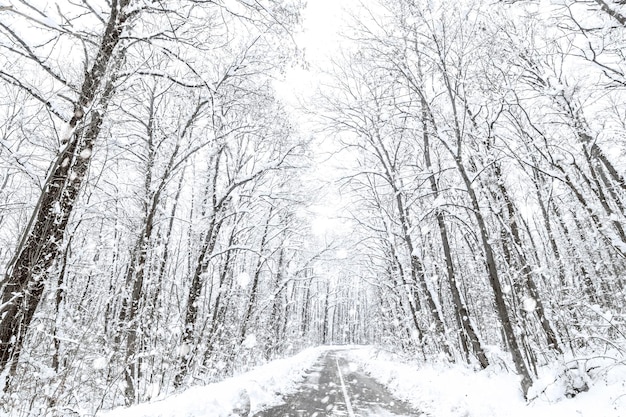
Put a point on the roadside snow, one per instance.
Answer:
(249, 391)
(438, 390)
(458, 391)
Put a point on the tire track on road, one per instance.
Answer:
(334, 389)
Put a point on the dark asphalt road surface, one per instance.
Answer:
(335, 388)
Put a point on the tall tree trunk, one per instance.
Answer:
(219, 308)
(397, 272)
(538, 182)
(255, 281)
(23, 284)
(138, 263)
(503, 314)
(195, 290)
(459, 305)
(304, 317)
(417, 273)
(526, 270)
(492, 270)
(326, 322)
(277, 310)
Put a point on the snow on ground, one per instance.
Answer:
(459, 391)
(439, 390)
(254, 389)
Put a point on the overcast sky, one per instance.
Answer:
(322, 20)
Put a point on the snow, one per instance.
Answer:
(183, 350)
(249, 342)
(529, 304)
(243, 279)
(100, 363)
(444, 390)
(85, 153)
(441, 390)
(255, 389)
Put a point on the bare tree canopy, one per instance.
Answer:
(453, 189)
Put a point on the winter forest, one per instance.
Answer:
(452, 188)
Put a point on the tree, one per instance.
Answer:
(141, 103)
(41, 241)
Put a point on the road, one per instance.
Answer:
(333, 387)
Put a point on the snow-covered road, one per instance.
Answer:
(335, 387)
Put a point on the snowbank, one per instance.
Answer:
(438, 390)
(250, 391)
(458, 391)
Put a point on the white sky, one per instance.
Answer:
(322, 20)
(319, 39)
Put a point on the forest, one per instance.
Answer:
(159, 196)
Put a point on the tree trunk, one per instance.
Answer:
(526, 270)
(461, 309)
(40, 245)
(195, 290)
(417, 273)
(492, 270)
(255, 282)
(503, 314)
(218, 307)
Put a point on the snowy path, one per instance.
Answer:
(334, 387)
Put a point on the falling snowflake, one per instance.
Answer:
(243, 279)
(85, 153)
(249, 342)
(100, 363)
(529, 304)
